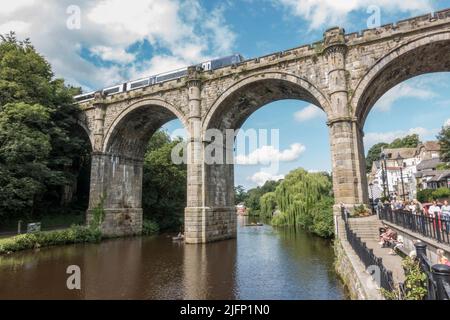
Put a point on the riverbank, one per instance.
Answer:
(72, 235)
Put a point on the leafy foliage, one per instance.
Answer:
(374, 154)
(428, 195)
(37, 117)
(415, 283)
(149, 227)
(74, 234)
(444, 141)
(239, 194)
(268, 204)
(410, 141)
(164, 183)
(305, 199)
(252, 201)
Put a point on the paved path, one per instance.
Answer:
(367, 230)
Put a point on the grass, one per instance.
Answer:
(48, 222)
(74, 234)
(149, 227)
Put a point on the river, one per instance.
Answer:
(262, 263)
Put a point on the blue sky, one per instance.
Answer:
(118, 41)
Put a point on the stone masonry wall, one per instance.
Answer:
(343, 74)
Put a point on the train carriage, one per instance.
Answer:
(163, 77)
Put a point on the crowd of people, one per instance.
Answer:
(437, 210)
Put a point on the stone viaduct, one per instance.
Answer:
(344, 75)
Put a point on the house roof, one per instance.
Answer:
(405, 153)
(428, 164)
(440, 175)
(430, 146)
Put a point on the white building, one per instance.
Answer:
(401, 164)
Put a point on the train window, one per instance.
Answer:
(111, 91)
(84, 97)
(171, 76)
(139, 84)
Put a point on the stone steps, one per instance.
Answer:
(366, 228)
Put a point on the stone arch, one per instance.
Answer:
(247, 95)
(234, 106)
(117, 171)
(425, 54)
(132, 128)
(83, 125)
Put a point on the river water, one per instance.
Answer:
(262, 263)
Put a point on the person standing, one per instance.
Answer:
(434, 210)
(446, 215)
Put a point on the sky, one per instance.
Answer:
(95, 44)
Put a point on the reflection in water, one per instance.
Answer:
(263, 263)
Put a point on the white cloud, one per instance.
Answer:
(179, 32)
(113, 54)
(9, 7)
(261, 177)
(270, 154)
(447, 123)
(372, 138)
(16, 25)
(308, 113)
(331, 12)
(414, 89)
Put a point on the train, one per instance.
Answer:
(163, 77)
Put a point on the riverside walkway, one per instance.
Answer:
(367, 229)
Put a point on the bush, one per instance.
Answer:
(441, 193)
(415, 283)
(149, 227)
(429, 195)
(425, 195)
(75, 234)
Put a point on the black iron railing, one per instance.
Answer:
(437, 228)
(366, 255)
(438, 275)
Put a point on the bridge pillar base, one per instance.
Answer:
(205, 224)
(119, 222)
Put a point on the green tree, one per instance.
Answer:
(410, 141)
(444, 141)
(26, 82)
(24, 151)
(305, 199)
(374, 154)
(164, 183)
(268, 204)
(254, 195)
(239, 194)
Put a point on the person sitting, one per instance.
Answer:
(388, 237)
(442, 259)
(398, 244)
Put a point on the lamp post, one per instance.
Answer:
(384, 174)
(371, 197)
(400, 160)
